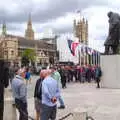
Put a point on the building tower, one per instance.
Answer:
(29, 33)
(4, 28)
(81, 30)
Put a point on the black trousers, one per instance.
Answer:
(98, 82)
(22, 108)
(1, 109)
(63, 82)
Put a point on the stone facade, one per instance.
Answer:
(81, 30)
(8, 48)
(12, 47)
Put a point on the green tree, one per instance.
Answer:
(28, 55)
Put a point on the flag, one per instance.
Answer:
(69, 45)
(93, 52)
(90, 51)
(72, 46)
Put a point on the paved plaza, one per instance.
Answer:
(101, 104)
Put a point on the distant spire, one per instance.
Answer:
(74, 22)
(78, 15)
(29, 33)
(86, 21)
(29, 19)
(4, 28)
(83, 20)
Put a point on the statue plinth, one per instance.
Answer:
(9, 109)
(110, 65)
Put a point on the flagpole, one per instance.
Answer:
(96, 58)
(87, 56)
(87, 59)
(91, 59)
(80, 57)
(79, 53)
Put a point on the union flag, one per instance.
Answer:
(72, 46)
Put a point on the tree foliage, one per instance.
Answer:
(28, 55)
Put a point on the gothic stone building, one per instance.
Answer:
(11, 46)
(81, 30)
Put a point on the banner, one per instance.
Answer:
(72, 46)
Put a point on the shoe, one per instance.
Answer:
(61, 107)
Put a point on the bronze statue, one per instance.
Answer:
(112, 41)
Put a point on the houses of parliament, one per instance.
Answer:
(11, 46)
(80, 29)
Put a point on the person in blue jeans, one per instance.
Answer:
(28, 76)
(56, 75)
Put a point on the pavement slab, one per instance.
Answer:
(101, 104)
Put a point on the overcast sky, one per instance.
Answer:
(58, 15)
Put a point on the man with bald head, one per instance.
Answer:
(38, 94)
(50, 94)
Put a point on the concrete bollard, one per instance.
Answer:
(9, 110)
(79, 114)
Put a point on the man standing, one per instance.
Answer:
(20, 93)
(50, 94)
(63, 76)
(38, 95)
(98, 74)
(56, 75)
(4, 82)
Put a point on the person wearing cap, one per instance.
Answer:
(20, 93)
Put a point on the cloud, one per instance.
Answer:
(59, 15)
(41, 11)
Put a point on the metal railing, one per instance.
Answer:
(71, 114)
(62, 118)
(66, 116)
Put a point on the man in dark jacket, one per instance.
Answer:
(63, 76)
(4, 82)
(88, 74)
(38, 94)
(98, 74)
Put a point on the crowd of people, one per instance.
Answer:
(48, 87)
(80, 74)
(47, 93)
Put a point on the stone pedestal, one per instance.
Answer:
(110, 65)
(9, 110)
(80, 114)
